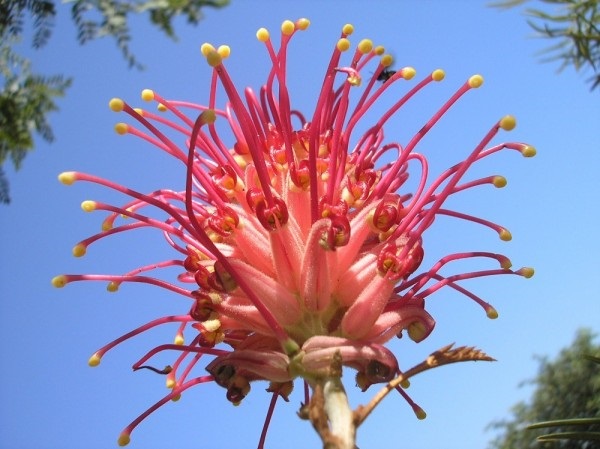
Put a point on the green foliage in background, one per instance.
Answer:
(26, 98)
(574, 26)
(564, 410)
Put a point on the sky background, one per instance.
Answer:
(52, 399)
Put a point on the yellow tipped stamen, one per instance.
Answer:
(405, 383)
(526, 272)
(416, 331)
(208, 116)
(287, 27)
(302, 24)
(121, 128)
(171, 383)
(176, 398)
(408, 73)
(124, 439)
(387, 60)
(348, 29)
(161, 108)
(224, 51)
(59, 281)
(116, 104)
(262, 34)
(506, 263)
(379, 50)
(505, 235)
(179, 340)
(491, 313)
(508, 123)
(475, 81)
(88, 206)
(79, 250)
(206, 48)
(94, 360)
(343, 44)
(420, 413)
(214, 59)
(499, 181)
(438, 75)
(147, 95)
(67, 177)
(112, 287)
(528, 151)
(365, 46)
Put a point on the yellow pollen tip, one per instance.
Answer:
(176, 398)
(438, 75)
(124, 439)
(387, 60)
(508, 123)
(475, 81)
(160, 107)
(121, 128)
(348, 29)
(506, 263)
(505, 235)
(208, 116)
(88, 206)
(379, 50)
(408, 73)
(179, 340)
(416, 331)
(262, 34)
(94, 360)
(171, 383)
(147, 95)
(213, 58)
(59, 281)
(526, 272)
(206, 48)
(302, 24)
(365, 46)
(67, 177)
(528, 151)
(224, 51)
(79, 250)
(491, 313)
(287, 27)
(343, 44)
(499, 181)
(405, 383)
(112, 287)
(116, 104)
(420, 414)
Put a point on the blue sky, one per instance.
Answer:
(52, 399)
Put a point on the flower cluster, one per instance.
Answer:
(297, 241)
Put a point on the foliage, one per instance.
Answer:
(576, 28)
(26, 98)
(566, 401)
(99, 18)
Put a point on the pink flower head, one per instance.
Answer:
(294, 235)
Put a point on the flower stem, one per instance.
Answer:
(339, 413)
(329, 410)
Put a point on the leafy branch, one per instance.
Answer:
(574, 26)
(26, 98)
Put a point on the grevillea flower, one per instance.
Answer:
(296, 240)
